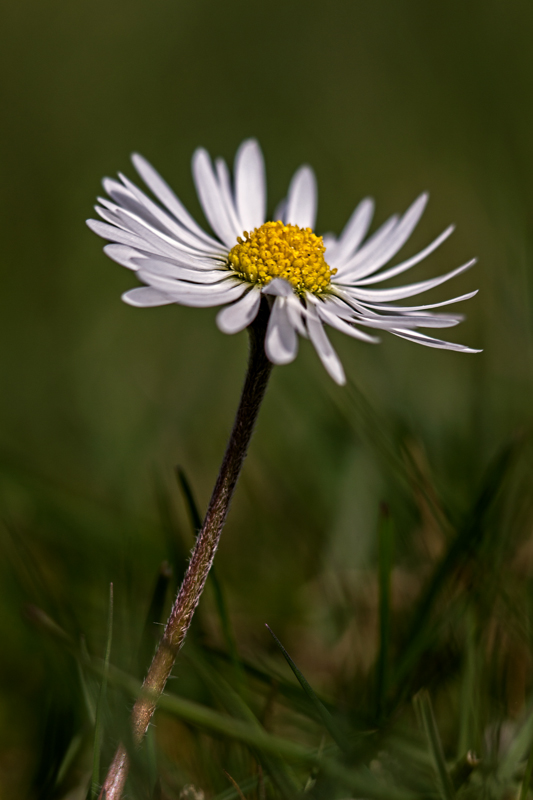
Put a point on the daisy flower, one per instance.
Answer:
(310, 280)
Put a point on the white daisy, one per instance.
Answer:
(310, 280)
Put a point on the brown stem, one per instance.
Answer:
(259, 368)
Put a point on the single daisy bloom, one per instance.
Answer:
(309, 280)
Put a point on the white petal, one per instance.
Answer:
(387, 295)
(408, 309)
(166, 283)
(117, 192)
(405, 265)
(398, 237)
(387, 322)
(238, 316)
(123, 198)
(165, 269)
(188, 294)
(420, 338)
(167, 222)
(353, 234)
(281, 341)
(123, 255)
(200, 300)
(296, 313)
(343, 306)
(145, 296)
(325, 351)
(279, 287)
(190, 262)
(185, 260)
(363, 315)
(372, 246)
(211, 198)
(394, 242)
(120, 236)
(152, 236)
(302, 199)
(337, 322)
(224, 181)
(250, 185)
(164, 193)
(432, 320)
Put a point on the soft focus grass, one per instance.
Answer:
(100, 402)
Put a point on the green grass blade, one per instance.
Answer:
(425, 710)
(360, 781)
(289, 693)
(90, 705)
(99, 723)
(323, 713)
(70, 756)
(190, 501)
(237, 707)
(386, 557)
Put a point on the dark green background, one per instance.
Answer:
(99, 401)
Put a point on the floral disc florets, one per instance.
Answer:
(276, 250)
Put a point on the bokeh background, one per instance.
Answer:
(100, 402)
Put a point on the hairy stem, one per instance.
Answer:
(259, 368)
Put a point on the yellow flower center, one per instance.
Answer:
(276, 250)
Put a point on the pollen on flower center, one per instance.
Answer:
(276, 250)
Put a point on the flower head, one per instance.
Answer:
(310, 280)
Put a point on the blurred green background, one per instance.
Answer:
(101, 401)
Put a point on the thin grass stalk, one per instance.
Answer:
(258, 373)
(321, 710)
(425, 710)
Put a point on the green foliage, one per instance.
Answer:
(447, 625)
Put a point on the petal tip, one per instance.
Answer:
(200, 154)
(250, 142)
(126, 298)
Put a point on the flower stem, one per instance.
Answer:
(258, 373)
